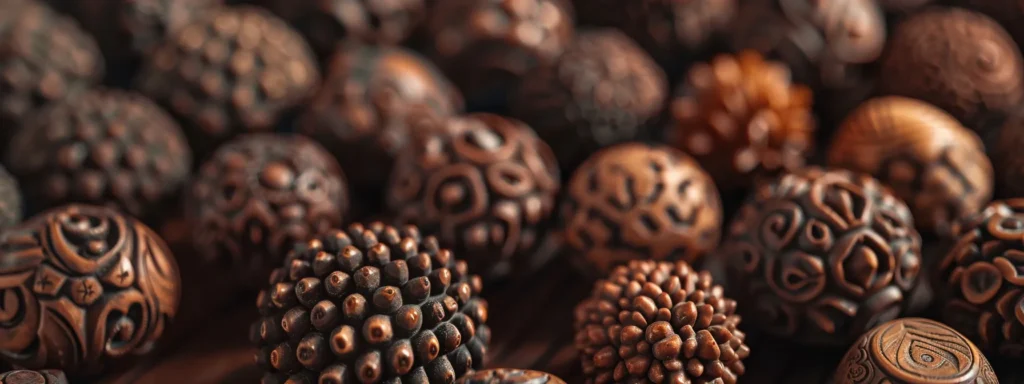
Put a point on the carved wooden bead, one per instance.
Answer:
(826, 255)
(10, 199)
(84, 286)
(509, 376)
(413, 338)
(603, 90)
(33, 377)
(742, 119)
(659, 321)
(914, 351)
(982, 78)
(108, 147)
(634, 201)
(931, 162)
(485, 184)
(257, 195)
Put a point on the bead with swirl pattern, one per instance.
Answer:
(47, 376)
(509, 376)
(823, 256)
(83, 286)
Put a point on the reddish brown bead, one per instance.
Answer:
(826, 255)
(84, 286)
(107, 148)
(434, 337)
(509, 376)
(10, 199)
(33, 377)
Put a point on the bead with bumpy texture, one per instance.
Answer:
(914, 351)
(108, 147)
(10, 199)
(33, 377)
(235, 70)
(372, 303)
(934, 164)
(603, 90)
(486, 185)
(982, 78)
(259, 194)
(635, 201)
(83, 286)
(509, 376)
(659, 322)
(823, 256)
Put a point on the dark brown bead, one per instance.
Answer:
(234, 70)
(1007, 158)
(487, 46)
(742, 119)
(826, 255)
(509, 376)
(603, 90)
(908, 5)
(10, 200)
(485, 185)
(982, 79)
(380, 343)
(635, 201)
(365, 112)
(914, 351)
(678, 318)
(83, 286)
(33, 377)
(670, 29)
(259, 194)
(108, 147)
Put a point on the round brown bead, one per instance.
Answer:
(107, 148)
(10, 199)
(671, 29)
(48, 376)
(235, 70)
(659, 321)
(1009, 13)
(486, 185)
(259, 194)
(826, 255)
(84, 286)
(635, 201)
(914, 351)
(603, 90)
(931, 162)
(365, 111)
(980, 79)
(425, 322)
(742, 119)
(487, 46)
(509, 376)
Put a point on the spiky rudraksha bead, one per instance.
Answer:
(603, 90)
(743, 119)
(10, 199)
(372, 303)
(33, 377)
(659, 322)
(509, 376)
(235, 70)
(107, 148)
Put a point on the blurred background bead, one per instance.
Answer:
(256, 196)
(958, 60)
(603, 90)
(672, 30)
(84, 286)
(10, 200)
(742, 119)
(914, 351)
(906, 5)
(33, 377)
(364, 110)
(1009, 13)
(1007, 158)
(635, 201)
(235, 70)
(931, 162)
(108, 147)
(487, 46)
(823, 256)
(485, 184)
(509, 376)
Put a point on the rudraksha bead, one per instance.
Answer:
(108, 147)
(659, 322)
(33, 377)
(259, 194)
(485, 184)
(603, 90)
(372, 303)
(10, 200)
(487, 46)
(83, 286)
(981, 79)
(509, 376)
(823, 256)
(934, 164)
(914, 351)
(742, 119)
(362, 112)
(670, 29)
(236, 70)
(980, 280)
(635, 201)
